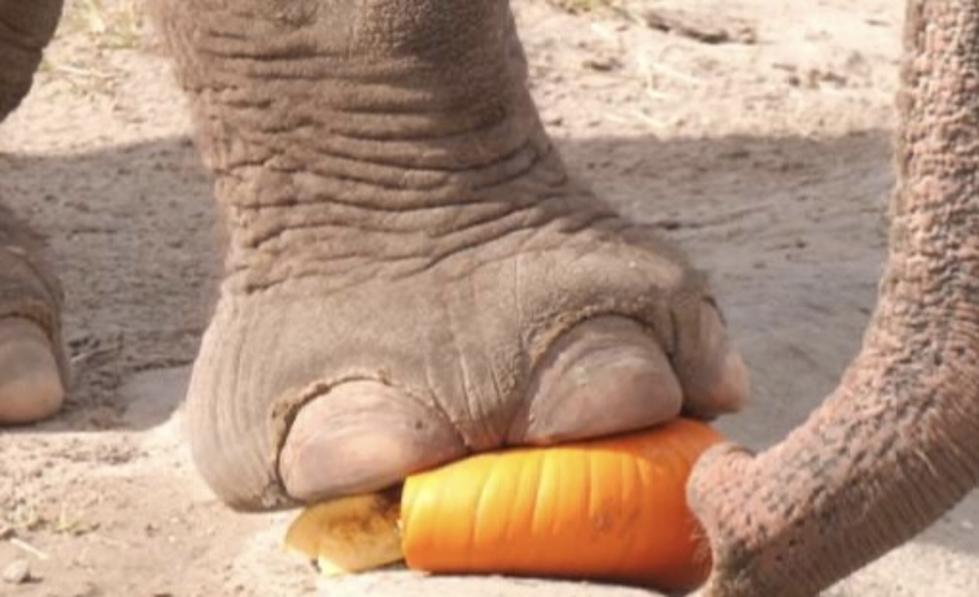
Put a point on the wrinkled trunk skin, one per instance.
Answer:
(897, 444)
(25, 28)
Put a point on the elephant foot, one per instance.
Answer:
(413, 275)
(30, 381)
(344, 377)
(32, 364)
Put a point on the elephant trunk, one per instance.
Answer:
(895, 445)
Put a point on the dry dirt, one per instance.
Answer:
(756, 133)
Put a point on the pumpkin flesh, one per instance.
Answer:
(612, 508)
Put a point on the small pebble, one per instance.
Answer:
(17, 572)
(7, 533)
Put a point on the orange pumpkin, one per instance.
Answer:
(611, 508)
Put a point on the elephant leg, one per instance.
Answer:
(413, 274)
(33, 371)
(25, 29)
(32, 364)
(897, 444)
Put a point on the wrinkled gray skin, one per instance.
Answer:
(413, 276)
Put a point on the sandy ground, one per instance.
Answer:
(766, 156)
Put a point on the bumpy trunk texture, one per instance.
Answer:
(895, 445)
(25, 28)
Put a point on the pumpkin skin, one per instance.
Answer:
(612, 508)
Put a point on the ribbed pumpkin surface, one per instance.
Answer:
(613, 508)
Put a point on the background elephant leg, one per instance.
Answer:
(33, 371)
(25, 28)
(32, 365)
